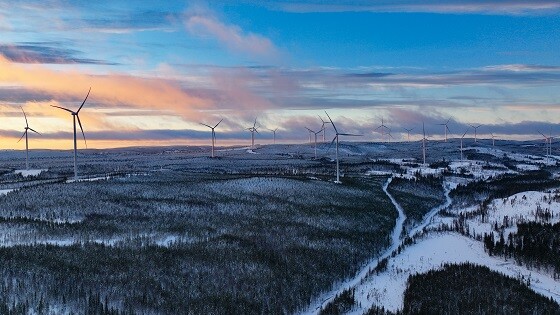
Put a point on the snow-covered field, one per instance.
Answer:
(431, 252)
(26, 173)
(434, 249)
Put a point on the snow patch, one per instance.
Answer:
(26, 173)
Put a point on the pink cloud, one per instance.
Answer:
(230, 35)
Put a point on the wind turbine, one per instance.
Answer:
(493, 139)
(475, 128)
(463, 136)
(323, 126)
(27, 128)
(274, 134)
(336, 138)
(213, 134)
(408, 133)
(383, 127)
(76, 116)
(315, 133)
(445, 128)
(424, 144)
(548, 142)
(253, 130)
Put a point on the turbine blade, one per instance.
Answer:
(82, 129)
(218, 123)
(22, 136)
(465, 133)
(206, 125)
(255, 123)
(34, 131)
(542, 134)
(83, 101)
(25, 116)
(331, 122)
(309, 129)
(330, 145)
(66, 109)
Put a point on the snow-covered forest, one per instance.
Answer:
(170, 231)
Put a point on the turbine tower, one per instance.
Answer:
(408, 133)
(423, 144)
(445, 128)
(475, 128)
(274, 134)
(337, 134)
(213, 134)
(493, 139)
(463, 136)
(253, 130)
(383, 128)
(315, 133)
(27, 128)
(75, 115)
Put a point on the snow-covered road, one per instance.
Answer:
(396, 240)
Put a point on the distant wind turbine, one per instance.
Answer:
(424, 139)
(408, 133)
(75, 116)
(493, 139)
(463, 136)
(336, 138)
(213, 134)
(253, 130)
(548, 143)
(323, 123)
(475, 128)
(274, 134)
(315, 133)
(383, 128)
(445, 128)
(27, 128)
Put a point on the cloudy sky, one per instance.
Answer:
(158, 69)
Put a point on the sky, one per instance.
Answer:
(158, 69)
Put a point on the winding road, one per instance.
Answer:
(327, 297)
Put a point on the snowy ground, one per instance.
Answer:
(435, 249)
(26, 173)
(3, 192)
(387, 288)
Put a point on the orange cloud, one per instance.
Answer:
(111, 89)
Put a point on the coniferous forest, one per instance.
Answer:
(472, 289)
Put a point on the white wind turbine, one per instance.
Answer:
(27, 128)
(315, 133)
(463, 136)
(75, 116)
(337, 134)
(213, 134)
(475, 128)
(408, 133)
(548, 143)
(383, 128)
(274, 134)
(445, 128)
(323, 123)
(253, 130)
(493, 139)
(424, 139)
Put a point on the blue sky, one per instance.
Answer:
(162, 68)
